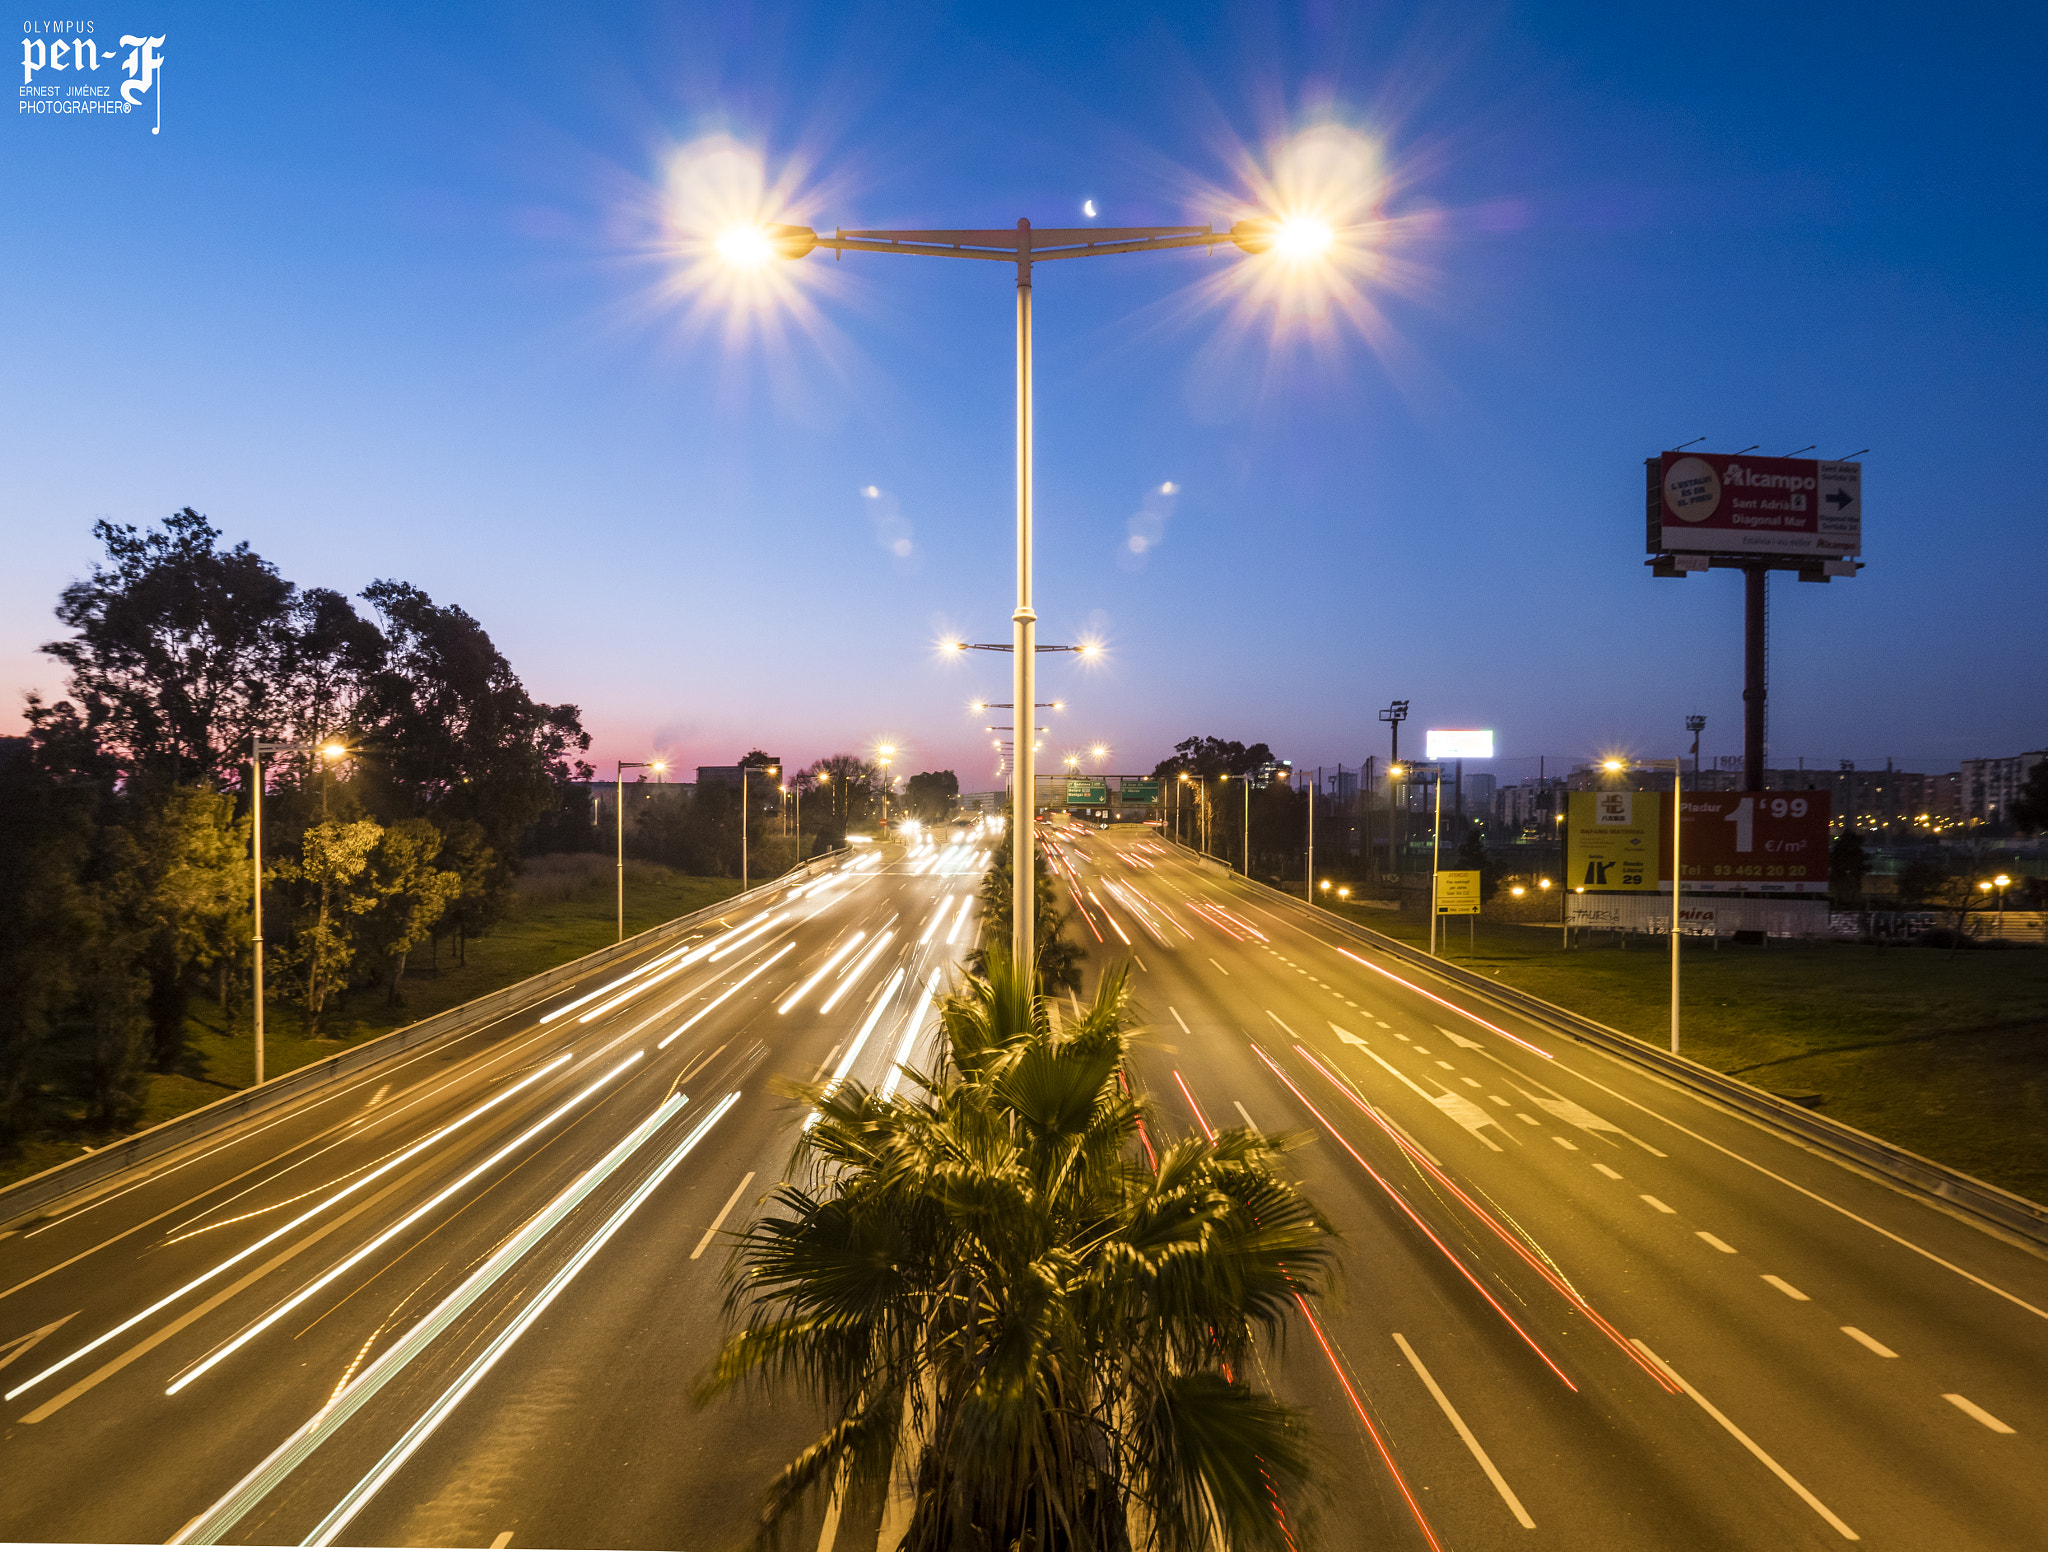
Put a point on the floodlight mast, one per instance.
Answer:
(1024, 246)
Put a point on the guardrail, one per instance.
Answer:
(77, 1180)
(1973, 1198)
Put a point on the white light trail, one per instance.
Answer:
(278, 1233)
(755, 933)
(910, 1033)
(662, 1045)
(859, 969)
(250, 1333)
(932, 926)
(859, 1040)
(960, 921)
(217, 1521)
(804, 990)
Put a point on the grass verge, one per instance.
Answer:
(1947, 1057)
(562, 914)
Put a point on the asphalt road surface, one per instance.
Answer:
(1581, 1308)
(461, 1303)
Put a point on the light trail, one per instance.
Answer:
(662, 1045)
(421, 1431)
(278, 1233)
(1432, 996)
(910, 1033)
(932, 926)
(966, 903)
(1414, 1217)
(1536, 1264)
(859, 1040)
(823, 970)
(754, 933)
(250, 1333)
(858, 969)
(217, 1521)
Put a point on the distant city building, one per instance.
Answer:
(1988, 787)
(729, 775)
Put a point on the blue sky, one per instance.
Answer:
(394, 293)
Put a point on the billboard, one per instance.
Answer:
(1614, 841)
(1733, 843)
(1736, 504)
(1754, 842)
(1459, 744)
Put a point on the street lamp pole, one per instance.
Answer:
(745, 769)
(1677, 764)
(1025, 247)
(619, 769)
(257, 750)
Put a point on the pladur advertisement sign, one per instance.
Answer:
(1737, 504)
(1773, 843)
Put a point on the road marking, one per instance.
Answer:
(718, 1222)
(1748, 1443)
(827, 1062)
(1786, 1288)
(1213, 962)
(1470, 1082)
(857, 969)
(1485, 1461)
(1869, 1341)
(1528, 1118)
(1456, 1106)
(1291, 1035)
(1610, 1174)
(1652, 1200)
(1566, 1143)
(1498, 1100)
(22, 1344)
(1965, 1404)
(503, 1539)
(1248, 1121)
(1718, 1243)
(1179, 1020)
(758, 970)
(1384, 1024)
(1447, 1067)
(1140, 963)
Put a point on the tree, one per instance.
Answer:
(1847, 863)
(1921, 881)
(46, 838)
(403, 896)
(180, 648)
(987, 1281)
(1210, 758)
(110, 1022)
(1059, 956)
(848, 788)
(2029, 811)
(448, 733)
(192, 867)
(333, 856)
(932, 795)
(1472, 857)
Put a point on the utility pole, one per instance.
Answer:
(1394, 715)
(1695, 725)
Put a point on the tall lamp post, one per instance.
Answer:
(1676, 765)
(1246, 781)
(745, 770)
(1298, 237)
(258, 748)
(1435, 773)
(620, 767)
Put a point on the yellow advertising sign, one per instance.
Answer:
(1457, 894)
(1614, 839)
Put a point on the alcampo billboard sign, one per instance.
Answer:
(1737, 504)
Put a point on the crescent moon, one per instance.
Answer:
(1088, 208)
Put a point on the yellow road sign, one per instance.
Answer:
(1457, 894)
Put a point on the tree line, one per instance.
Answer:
(125, 813)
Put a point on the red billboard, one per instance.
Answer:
(1752, 842)
(1736, 504)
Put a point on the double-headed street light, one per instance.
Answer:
(620, 767)
(329, 750)
(1296, 237)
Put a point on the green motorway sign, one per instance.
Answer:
(1135, 792)
(1087, 789)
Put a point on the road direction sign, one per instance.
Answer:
(1457, 894)
(1136, 792)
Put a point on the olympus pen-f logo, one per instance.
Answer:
(60, 71)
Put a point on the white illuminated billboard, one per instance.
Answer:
(1460, 743)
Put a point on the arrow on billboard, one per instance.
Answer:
(1838, 499)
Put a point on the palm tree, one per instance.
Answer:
(994, 1298)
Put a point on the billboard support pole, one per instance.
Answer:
(1436, 857)
(1755, 652)
(1677, 883)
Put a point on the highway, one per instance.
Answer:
(460, 1301)
(1581, 1308)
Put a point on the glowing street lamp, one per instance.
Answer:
(1677, 768)
(331, 750)
(745, 771)
(1288, 239)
